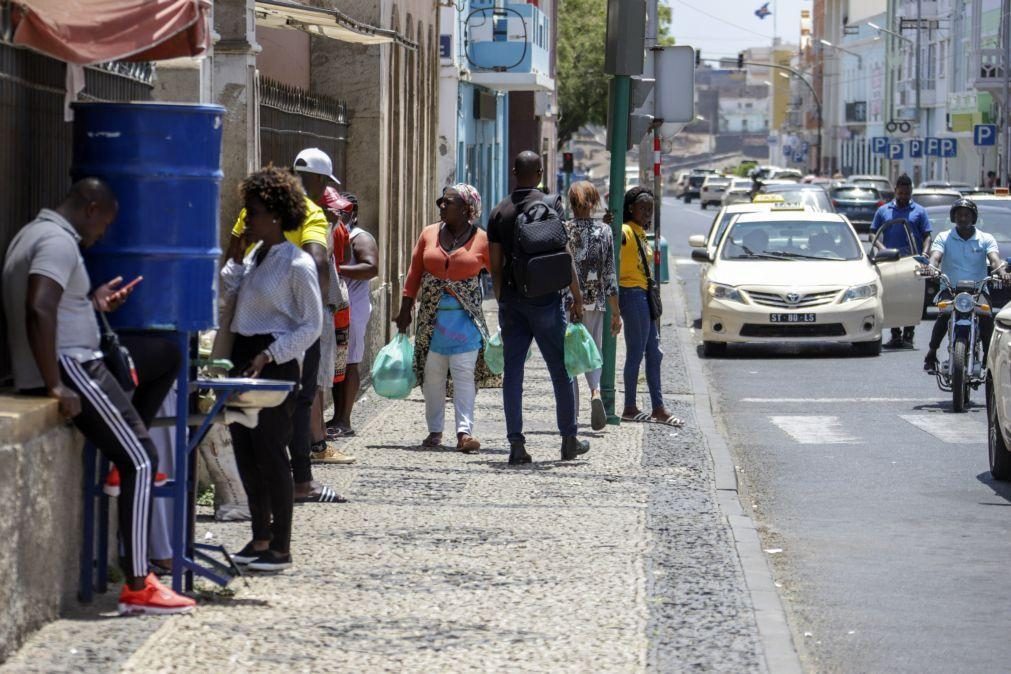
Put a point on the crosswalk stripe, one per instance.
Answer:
(684, 260)
(959, 429)
(814, 430)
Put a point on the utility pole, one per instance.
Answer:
(649, 70)
(1004, 163)
(919, 118)
(623, 58)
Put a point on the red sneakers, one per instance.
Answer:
(112, 482)
(154, 599)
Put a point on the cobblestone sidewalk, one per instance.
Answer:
(621, 562)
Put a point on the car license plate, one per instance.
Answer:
(792, 318)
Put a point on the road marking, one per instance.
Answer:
(684, 260)
(814, 430)
(830, 401)
(956, 429)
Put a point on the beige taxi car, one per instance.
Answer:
(801, 276)
(998, 396)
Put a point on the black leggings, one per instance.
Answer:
(157, 360)
(301, 433)
(261, 452)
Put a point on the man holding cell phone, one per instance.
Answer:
(55, 351)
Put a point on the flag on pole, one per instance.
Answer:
(763, 11)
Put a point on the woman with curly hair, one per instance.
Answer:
(278, 315)
(451, 331)
(642, 333)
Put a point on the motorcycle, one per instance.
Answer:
(963, 371)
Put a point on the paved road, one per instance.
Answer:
(892, 541)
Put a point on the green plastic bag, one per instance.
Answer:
(581, 353)
(393, 368)
(494, 354)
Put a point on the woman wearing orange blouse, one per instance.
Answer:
(451, 332)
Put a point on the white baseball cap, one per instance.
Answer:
(315, 160)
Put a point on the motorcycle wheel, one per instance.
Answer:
(1000, 456)
(959, 376)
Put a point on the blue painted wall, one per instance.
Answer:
(481, 149)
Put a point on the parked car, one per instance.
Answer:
(882, 184)
(998, 397)
(935, 197)
(738, 192)
(681, 184)
(694, 190)
(803, 277)
(712, 190)
(813, 196)
(858, 203)
(787, 174)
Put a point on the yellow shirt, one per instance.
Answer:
(315, 228)
(632, 274)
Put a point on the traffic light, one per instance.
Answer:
(698, 57)
(567, 163)
(740, 60)
(626, 35)
(639, 123)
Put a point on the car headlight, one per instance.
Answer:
(964, 303)
(861, 292)
(723, 292)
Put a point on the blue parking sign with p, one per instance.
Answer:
(916, 148)
(984, 134)
(933, 147)
(949, 147)
(879, 145)
(895, 150)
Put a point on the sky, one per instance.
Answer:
(724, 27)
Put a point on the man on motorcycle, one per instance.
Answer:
(962, 254)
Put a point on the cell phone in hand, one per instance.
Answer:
(129, 286)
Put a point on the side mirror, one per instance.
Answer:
(701, 256)
(884, 255)
(922, 259)
(1003, 317)
(697, 241)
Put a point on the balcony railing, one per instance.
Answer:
(989, 74)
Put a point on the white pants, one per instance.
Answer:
(464, 390)
(594, 322)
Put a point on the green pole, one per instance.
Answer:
(621, 88)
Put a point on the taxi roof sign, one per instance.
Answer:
(1000, 192)
(768, 199)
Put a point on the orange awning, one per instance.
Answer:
(96, 31)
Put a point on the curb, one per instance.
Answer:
(778, 648)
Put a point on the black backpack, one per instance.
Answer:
(541, 262)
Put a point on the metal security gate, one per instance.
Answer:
(292, 119)
(36, 142)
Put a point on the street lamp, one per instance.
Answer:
(890, 32)
(860, 60)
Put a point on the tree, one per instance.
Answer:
(582, 84)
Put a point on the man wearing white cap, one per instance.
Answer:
(315, 169)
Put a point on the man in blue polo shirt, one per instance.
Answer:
(963, 253)
(895, 236)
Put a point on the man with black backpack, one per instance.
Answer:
(530, 267)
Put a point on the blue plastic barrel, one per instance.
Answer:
(163, 161)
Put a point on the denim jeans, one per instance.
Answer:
(642, 337)
(522, 321)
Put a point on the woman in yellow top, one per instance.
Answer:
(642, 335)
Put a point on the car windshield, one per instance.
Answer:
(870, 182)
(855, 193)
(815, 198)
(928, 200)
(791, 240)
